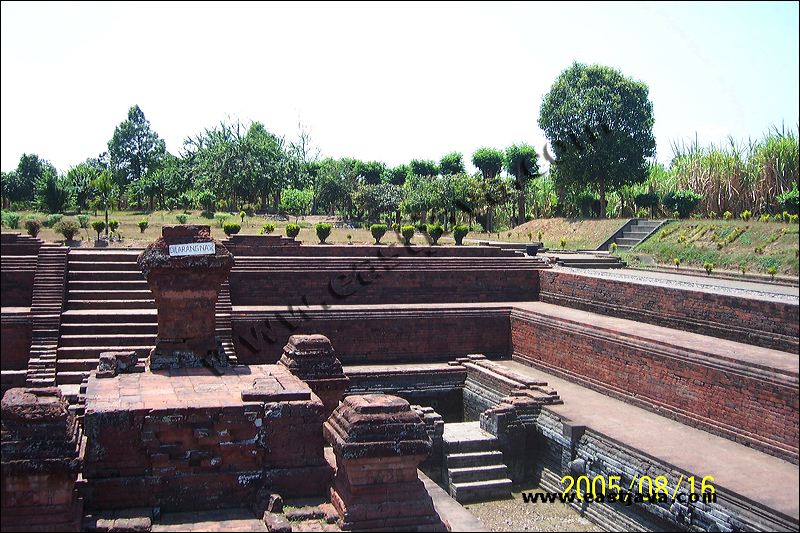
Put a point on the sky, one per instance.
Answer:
(387, 82)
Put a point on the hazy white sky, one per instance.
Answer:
(388, 82)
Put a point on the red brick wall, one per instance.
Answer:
(743, 404)
(15, 342)
(770, 324)
(376, 336)
(381, 286)
(16, 288)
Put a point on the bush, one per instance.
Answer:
(789, 201)
(68, 229)
(267, 228)
(221, 218)
(98, 226)
(436, 231)
(231, 228)
(378, 231)
(677, 262)
(52, 220)
(421, 227)
(323, 231)
(642, 213)
(33, 226)
(248, 209)
(563, 243)
(793, 219)
(682, 202)
(613, 248)
(745, 215)
(11, 219)
(727, 215)
(242, 214)
(763, 218)
(113, 225)
(205, 199)
(459, 232)
(648, 200)
(408, 233)
(772, 271)
(709, 267)
(743, 267)
(292, 230)
(142, 225)
(83, 221)
(182, 218)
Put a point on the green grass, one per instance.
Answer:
(726, 243)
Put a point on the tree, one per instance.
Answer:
(53, 193)
(490, 162)
(372, 171)
(452, 163)
(296, 202)
(104, 189)
(522, 162)
(80, 178)
(21, 183)
(396, 175)
(600, 126)
(424, 167)
(134, 149)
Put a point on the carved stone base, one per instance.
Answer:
(161, 359)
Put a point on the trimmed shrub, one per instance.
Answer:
(52, 220)
(421, 227)
(242, 214)
(11, 219)
(182, 218)
(142, 225)
(292, 230)
(113, 225)
(677, 262)
(682, 202)
(68, 229)
(459, 232)
(378, 231)
(248, 209)
(648, 200)
(727, 215)
(323, 230)
(745, 215)
(231, 228)
(436, 231)
(267, 228)
(613, 248)
(563, 243)
(772, 271)
(98, 226)
(33, 226)
(83, 221)
(408, 233)
(709, 267)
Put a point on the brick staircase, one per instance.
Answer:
(109, 307)
(224, 311)
(475, 469)
(46, 305)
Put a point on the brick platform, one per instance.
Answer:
(192, 442)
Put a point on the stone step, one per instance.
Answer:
(118, 294)
(627, 242)
(93, 352)
(75, 365)
(474, 459)
(92, 339)
(95, 316)
(71, 377)
(120, 328)
(104, 256)
(108, 285)
(494, 489)
(597, 265)
(477, 473)
(465, 437)
(635, 234)
(75, 266)
(111, 304)
(97, 275)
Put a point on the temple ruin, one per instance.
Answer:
(385, 383)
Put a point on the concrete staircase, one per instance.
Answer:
(109, 308)
(46, 304)
(475, 469)
(636, 232)
(590, 261)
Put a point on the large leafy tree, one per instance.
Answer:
(424, 167)
(600, 126)
(490, 162)
(80, 178)
(20, 185)
(372, 171)
(452, 163)
(53, 192)
(134, 149)
(522, 162)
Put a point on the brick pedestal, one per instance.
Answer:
(379, 442)
(311, 358)
(40, 462)
(185, 289)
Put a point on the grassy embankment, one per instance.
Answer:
(728, 244)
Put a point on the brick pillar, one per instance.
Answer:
(379, 442)
(40, 462)
(186, 289)
(311, 358)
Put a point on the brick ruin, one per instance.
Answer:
(117, 404)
